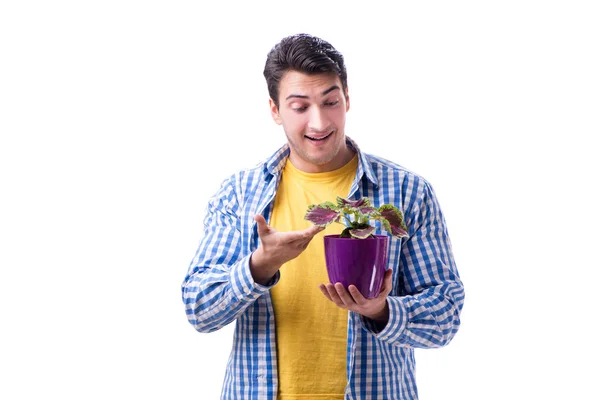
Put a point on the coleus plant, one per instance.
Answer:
(357, 215)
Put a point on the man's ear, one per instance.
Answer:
(347, 100)
(274, 112)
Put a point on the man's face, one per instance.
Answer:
(312, 111)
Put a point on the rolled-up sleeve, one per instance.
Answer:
(425, 313)
(219, 285)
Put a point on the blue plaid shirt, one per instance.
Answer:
(424, 305)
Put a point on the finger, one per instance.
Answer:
(308, 233)
(357, 295)
(325, 292)
(333, 295)
(344, 295)
(299, 243)
(308, 236)
(303, 236)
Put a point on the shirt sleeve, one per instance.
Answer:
(426, 313)
(219, 285)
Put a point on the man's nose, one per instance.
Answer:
(318, 120)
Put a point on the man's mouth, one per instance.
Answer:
(318, 138)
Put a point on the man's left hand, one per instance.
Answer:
(351, 299)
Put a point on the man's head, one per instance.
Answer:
(302, 53)
(308, 91)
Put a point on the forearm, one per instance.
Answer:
(429, 314)
(217, 296)
(216, 289)
(427, 320)
(262, 270)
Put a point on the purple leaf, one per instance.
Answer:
(322, 214)
(362, 202)
(399, 232)
(362, 233)
(394, 222)
(367, 210)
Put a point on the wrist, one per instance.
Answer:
(261, 271)
(382, 316)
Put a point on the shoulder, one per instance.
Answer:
(241, 180)
(406, 189)
(392, 174)
(262, 172)
(247, 182)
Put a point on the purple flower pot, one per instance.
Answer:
(358, 262)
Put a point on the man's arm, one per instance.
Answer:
(429, 314)
(218, 286)
(221, 281)
(277, 248)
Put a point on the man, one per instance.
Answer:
(262, 265)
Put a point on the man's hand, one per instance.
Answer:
(277, 248)
(351, 299)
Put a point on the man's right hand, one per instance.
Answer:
(277, 248)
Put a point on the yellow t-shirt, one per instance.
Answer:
(311, 330)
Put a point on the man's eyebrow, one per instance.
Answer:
(301, 96)
(331, 89)
(298, 96)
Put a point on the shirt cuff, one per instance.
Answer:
(396, 324)
(242, 282)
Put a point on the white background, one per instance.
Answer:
(119, 119)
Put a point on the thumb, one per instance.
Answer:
(387, 282)
(262, 226)
(388, 275)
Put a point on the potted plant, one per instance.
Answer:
(357, 256)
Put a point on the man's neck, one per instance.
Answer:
(342, 158)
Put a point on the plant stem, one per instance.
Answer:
(347, 219)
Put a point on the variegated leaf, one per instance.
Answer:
(362, 233)
(322, 214)
(395, 221)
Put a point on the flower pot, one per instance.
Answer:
(358, 262)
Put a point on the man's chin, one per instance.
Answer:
(319, 159)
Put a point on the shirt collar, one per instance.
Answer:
(274, 165)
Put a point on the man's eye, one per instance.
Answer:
(299, 109)
(332, 103)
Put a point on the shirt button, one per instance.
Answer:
(222, 306)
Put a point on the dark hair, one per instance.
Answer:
(303, 53)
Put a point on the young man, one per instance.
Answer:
(262, 265)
